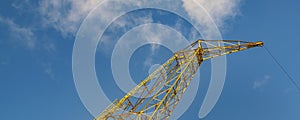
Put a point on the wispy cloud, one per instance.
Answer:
(22, 35)
(261, 82)
(65, 15)
(123, 25)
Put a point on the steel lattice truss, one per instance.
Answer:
(156, 97)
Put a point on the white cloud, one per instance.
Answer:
(219, 10)
(130, 21)
(260, 83)
(65, 15)
(23, 35)
(123, 25)
(154, 36)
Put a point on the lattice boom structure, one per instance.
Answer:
(156, 97)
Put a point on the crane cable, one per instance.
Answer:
(282, 68)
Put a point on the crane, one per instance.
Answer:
(156, 97)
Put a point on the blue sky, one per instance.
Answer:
(36, 44)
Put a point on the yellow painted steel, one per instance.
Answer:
(158, 101)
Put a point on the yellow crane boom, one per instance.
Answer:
(157, 96)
